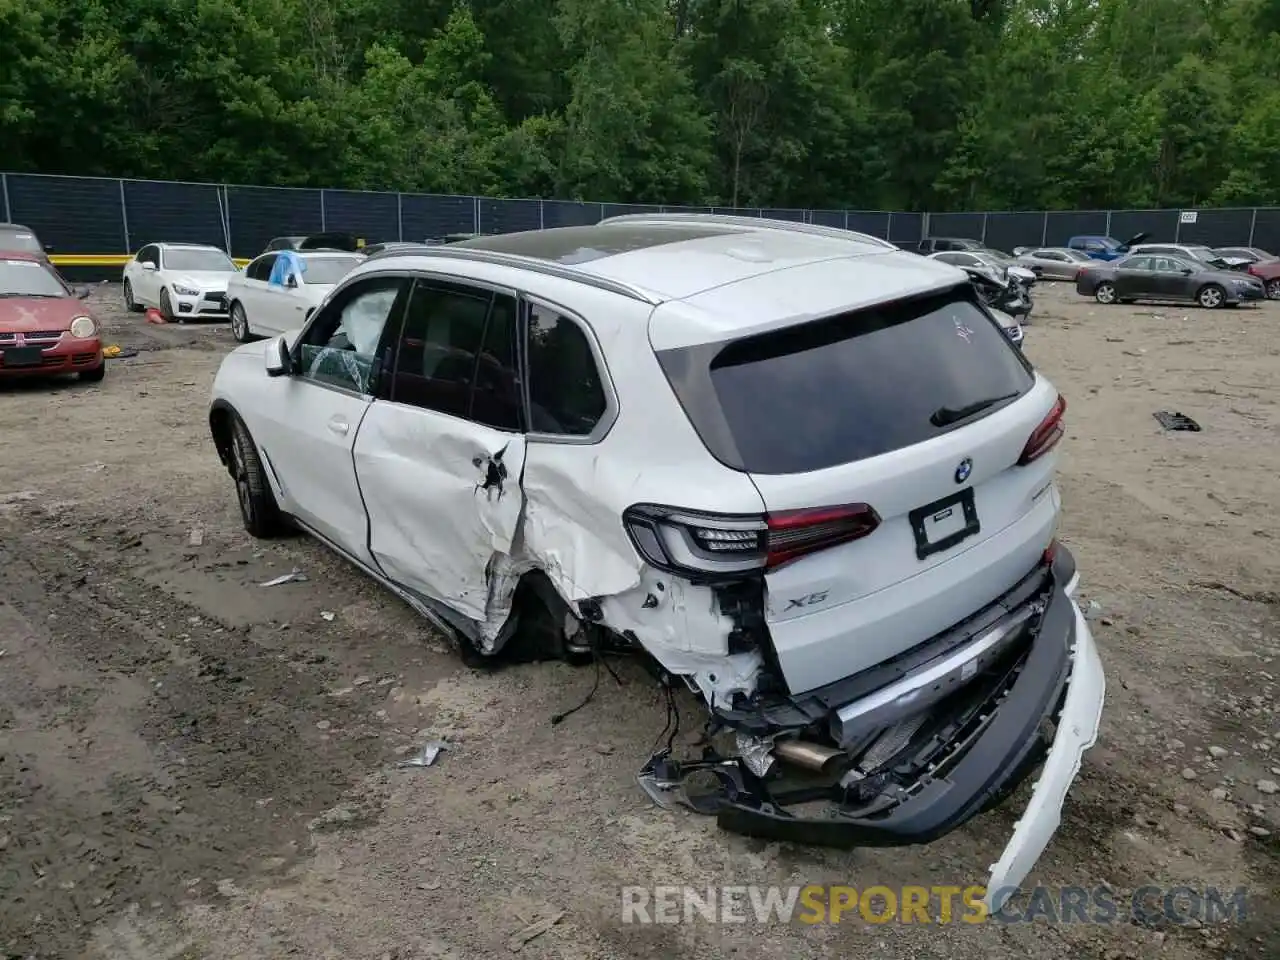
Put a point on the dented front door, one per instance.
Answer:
(443, 498)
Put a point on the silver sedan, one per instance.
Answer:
(1053, 263)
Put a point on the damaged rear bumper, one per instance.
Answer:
(1041, 702)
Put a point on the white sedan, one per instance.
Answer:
(271, 296)
(183, 280)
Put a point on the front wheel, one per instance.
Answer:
(1211, 296)
(166, 308)
(1105, 293)
(258, 508)
(239, 323)
(1273, 289)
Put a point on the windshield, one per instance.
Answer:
(23, 240)
(992, 259)
(1201, 253)
(1076, 255)
(327, 269)
(835, 386)
(215, 261)
(26, 278)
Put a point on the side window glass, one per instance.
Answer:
(566, 395)
(341, 346)
(496, 400)
(150, 255)
(436, 354)
(261, 268)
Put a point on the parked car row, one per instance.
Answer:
(1244, 270)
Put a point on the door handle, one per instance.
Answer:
(339, 425)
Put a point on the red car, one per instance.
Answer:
(1268, 271)
(44, 327)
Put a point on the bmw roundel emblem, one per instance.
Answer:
(963, 469)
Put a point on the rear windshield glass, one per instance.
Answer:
(23, 240)
(849, 387)
(327, 269)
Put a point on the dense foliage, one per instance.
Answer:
(871, 104)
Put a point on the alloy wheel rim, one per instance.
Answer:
(1211, 298)
(241, 475)
(1106, 293)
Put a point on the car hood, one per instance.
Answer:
(205, 279)
(27, 314)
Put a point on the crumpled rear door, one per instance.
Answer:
(444, 500)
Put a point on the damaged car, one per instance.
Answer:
(790, 467)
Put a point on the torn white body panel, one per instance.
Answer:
(1077, 732)
(443, 499)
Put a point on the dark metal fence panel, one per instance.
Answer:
(967, 225)
(1217, 228)
(373, 217)
(567, 213)
(509, 216)
(173, 213)
(622, 209)
(902, 227)
(1062, 225)
(874, 223)
(1266, 229)
(85, 215)
(69, 214)
(1161, 226)
(1014, 229)
(259, 214)
(427, 216)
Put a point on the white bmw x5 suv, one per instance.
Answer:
(801, 471)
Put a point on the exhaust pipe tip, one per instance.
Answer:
(810, 756)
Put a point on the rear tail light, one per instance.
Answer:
(1254, 271)
(1046, 436)
(714, 546)
(1050, 553)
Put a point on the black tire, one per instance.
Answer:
(1211, 296)
(258, 508)
(1273, 289)
(239, 323)
(130, 304)
(1105, 293)
(166, 308)
(94, 376)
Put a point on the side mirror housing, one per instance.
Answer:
(277, 359)
(148, 265)
(291, 282)
(83, 293)
(1186, 271)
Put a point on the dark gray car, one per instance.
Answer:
(1146, 277)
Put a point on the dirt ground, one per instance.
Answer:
(196, 766)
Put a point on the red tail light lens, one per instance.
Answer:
(1046, 436)
(1254, 271)
(1050, 553)
(707, 546)
(794, 533)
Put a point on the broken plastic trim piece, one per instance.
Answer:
(1176, 421)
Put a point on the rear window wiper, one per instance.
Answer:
(945, 416)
